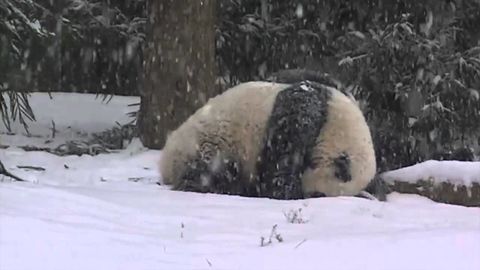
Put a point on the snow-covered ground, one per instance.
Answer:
(107, 212)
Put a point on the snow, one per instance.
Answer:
(75, 116)
(107, 212)
(454, 172)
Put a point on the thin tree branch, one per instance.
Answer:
(35, 168)
(8, 174)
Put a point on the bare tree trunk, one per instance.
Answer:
(179, 65)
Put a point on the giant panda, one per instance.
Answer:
(276, 140)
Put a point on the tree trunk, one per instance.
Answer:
(179, 66)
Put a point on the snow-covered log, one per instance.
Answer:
(454, 182)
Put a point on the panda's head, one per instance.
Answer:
(343, 159)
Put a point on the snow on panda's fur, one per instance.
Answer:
(274, 140)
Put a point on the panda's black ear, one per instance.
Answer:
(378, 188)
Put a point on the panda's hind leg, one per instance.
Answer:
(226, 177)
(216, 175)
(191, 178)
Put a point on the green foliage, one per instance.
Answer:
(15, 105)
(73, 45)
(19, 26)
(20, 21)
(424, 90)
(100, 46)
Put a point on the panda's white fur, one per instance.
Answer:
(345, 131)
(234, 123)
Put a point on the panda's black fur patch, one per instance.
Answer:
(299, 113)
